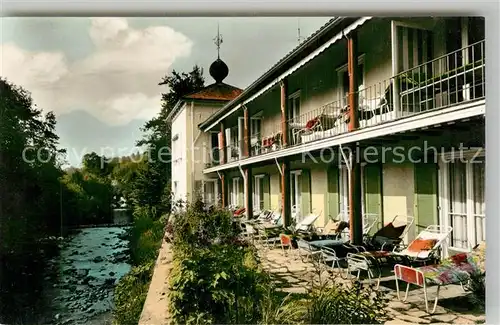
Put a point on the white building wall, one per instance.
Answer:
(179, 156)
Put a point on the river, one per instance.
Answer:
(80, 281)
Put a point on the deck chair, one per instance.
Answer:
(391, 234)
(343, 246)
(306, 224)
(379, 250)
(427, 244)
(458, 268)
(334, 227)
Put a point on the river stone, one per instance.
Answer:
(98, 259)
(82, 272)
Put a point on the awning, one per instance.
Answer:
(311, 56)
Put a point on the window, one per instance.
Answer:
(255, 126)
(462, 200)
(294, 105)
(343, 77)
(457, 200)
(210, 192)
(296, 193)
(344, 192)
(235, 192)
(258, 192)
(414, 46)
(214, 147)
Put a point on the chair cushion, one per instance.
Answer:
(419, 245)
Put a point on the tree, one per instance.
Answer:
(151, 186)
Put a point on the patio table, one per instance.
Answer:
(338, 245)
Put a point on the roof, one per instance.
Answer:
(309, 45)
(216, 91)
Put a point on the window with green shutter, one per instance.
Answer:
(305, 205)
(426, 195)
(372, 188)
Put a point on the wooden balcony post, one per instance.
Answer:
(246, 133)
(223, 186)
(355, 211)
(248, 193)
(286, 212)
(352, 69)
(222, 144)
(284, 112)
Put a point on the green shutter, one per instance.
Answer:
(305, 205)
(266, 184)
(372, 193)
(332, 199)
(426, 201)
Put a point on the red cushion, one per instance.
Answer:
(419, 245)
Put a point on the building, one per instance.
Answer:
(368, 115)
(192, 150)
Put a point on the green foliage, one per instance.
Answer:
(146, 236)
(477, 288)
(215, 278)
(350, 303)
(143, 180)
(130, 294)
(29, 192)
(345, 304)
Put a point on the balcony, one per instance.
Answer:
(452, 79)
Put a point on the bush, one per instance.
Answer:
(477, 287)
(215, 278)
(130, 294)
(145, 239)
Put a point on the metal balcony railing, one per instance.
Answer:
(451, 79)
(323, 122)
(455, 78)
(269, 141)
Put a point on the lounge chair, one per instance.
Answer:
(455, 269)
(306, 224)
(390, 235)
(424, 248)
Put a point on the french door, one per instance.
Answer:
(462, 201)
(296, 192)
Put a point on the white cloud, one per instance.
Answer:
(116, 83)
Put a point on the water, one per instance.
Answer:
(91, 262)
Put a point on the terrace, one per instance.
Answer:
(305, 256)
(294, 276)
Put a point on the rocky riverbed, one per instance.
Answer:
(83, 277)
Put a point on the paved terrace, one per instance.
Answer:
(293, 275)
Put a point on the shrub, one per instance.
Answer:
(130, 294)
(215, 277)
(477, 287)
(145, 239)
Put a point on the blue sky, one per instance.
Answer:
(100, 75)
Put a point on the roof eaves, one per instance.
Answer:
(275, 68)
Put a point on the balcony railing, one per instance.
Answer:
(451, 79)
(455, 78)
(261, 143)
(323, 122)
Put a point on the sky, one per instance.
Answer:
(100, 75)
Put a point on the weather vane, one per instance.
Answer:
(218, 41)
